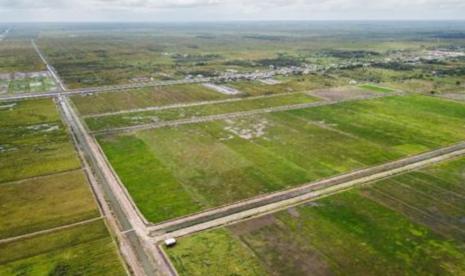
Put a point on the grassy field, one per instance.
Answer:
(31, 85)
(145, 97)
(406, 225)
(34, 141)
(82, 250)
(211, 164)
(46, 202)
(376, 88)
(42, 187)
(19, 56)
(147, 117)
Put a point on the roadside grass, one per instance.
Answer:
(214, 253)
(144, 97)
(41, 203)
(147, 117)
(221, 162)
(82, 250)
(34, 141)
(376, 88)
(357, 232)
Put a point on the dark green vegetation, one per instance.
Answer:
(101, 54)
(19, 56)
(411, 224)
(34, 141)
(42, 187)
(141, 98)
(147, 117)
(82, 250)
(212, 164)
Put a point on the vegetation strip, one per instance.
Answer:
(345, 181)
(237, 114)
(49, 230)
(174, 106)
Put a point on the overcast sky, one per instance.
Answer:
(214, 10)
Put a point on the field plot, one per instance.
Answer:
(142, 98)
(43, 188)
(82, 250)
(19, 56)
(34, 141)
(286, 84)
(26, 82)
(36, 204)
(175, 171)
(409, 224)
(156, 116)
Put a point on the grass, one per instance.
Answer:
(147, 117)
(220, 162)
(376, 88)
(82, 250)
(31, 85)
(34, 141)
(358, 232)
(19, 56)
(140, 98)
(51, 201)
(214, 253)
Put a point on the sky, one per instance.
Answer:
(227, 10)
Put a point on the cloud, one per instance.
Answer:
(235, 9)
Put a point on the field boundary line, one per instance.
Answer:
(304, 193)
(19, 181)
(182, 105)
(234, 115)
(50, 230)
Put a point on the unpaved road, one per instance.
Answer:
(132, 224)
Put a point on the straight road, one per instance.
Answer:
(281, 200)
(132, 225)
(52, 71)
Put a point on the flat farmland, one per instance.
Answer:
(19, 56)
(86, 249)
(34, 141)
(142, 98)
(50, 221)
(408, 224)
(287, 84)
(41, 203)
(164, 115)
(175, 171)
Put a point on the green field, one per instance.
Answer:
(145, 97)
(43, 187)
(46, 202)
(31, 85)
(411, 224)
(81, 250)
(147, 117)
(19, 56)
(34, 141)
(211, 164)
(377, 88)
